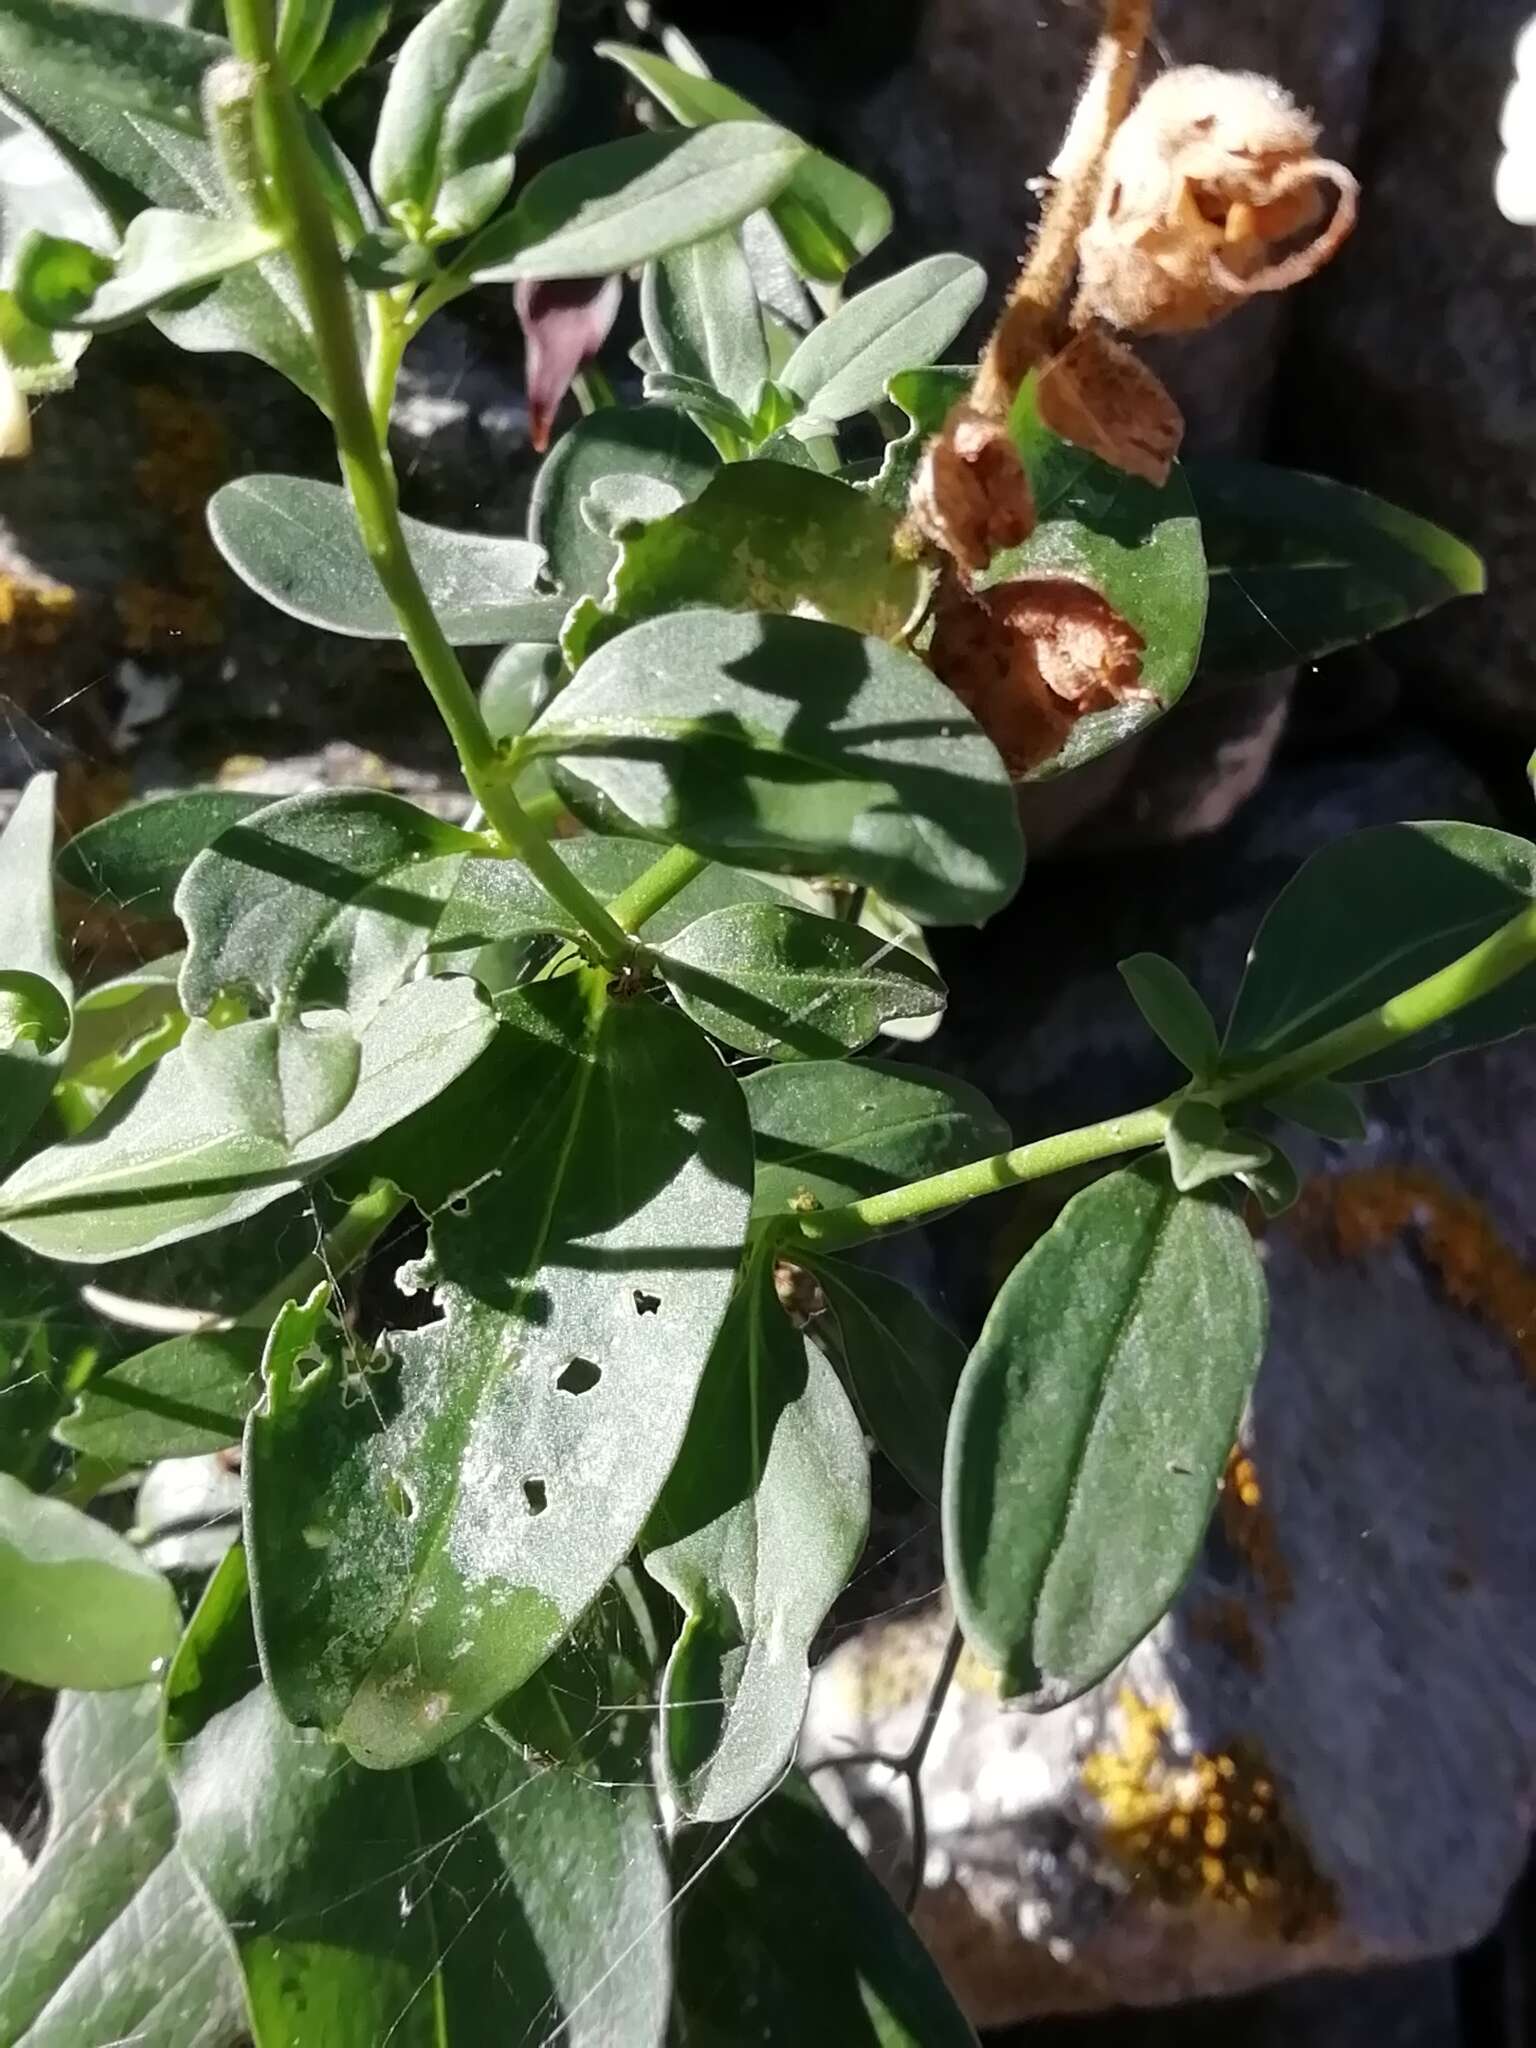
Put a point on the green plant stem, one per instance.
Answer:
(387, 336)
(1474, 975)
(353, 1234)
(301, 213)
(651, 891)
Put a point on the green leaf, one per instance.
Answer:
(35, 990)
(1274, 1184)
(40, 362)
(729, 429)
(623, 203)
(165, 256)
(177, 1399)
(453, 111)
(699, 308)
(899, 1362)
(539, 1417)
(121, 1027)
(787, 1936)
(509, 1890)
(1137, 545)
(762, 537)
(1369, 916)
(110, 1938)
(1091, 1428)
(834, 1132)
(1326, 1107)
(796, 746)
(649, 442)
(1174, 1010)
(926, 397)
(134, 859)
(118, 95)
(1201, 1148)
(576, 1708)
(354, 28)
(295, 542)
(182, 1158)
(1301, 566)
(216, 1662)
(78, 1605)
(842, 366)
(828, 215)
(756, 1533)
(327, 900)
(50, 1342)
(779, 983)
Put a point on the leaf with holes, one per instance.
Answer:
(779, 983)
(899, 1362)
(1174, 1010)
(835, 1131)
(221, 1130)
(700, 312)
(926, 397)
(787, 1935)
(755, 1534)
(828, 215)
(165, 256)
(482, 1497)
(763, 537)
(109, 1937)
(661, 448)
(35, 990)
(1367, 917)
(1091, 1428)
(901, 323)
(1137, 545)
(623, 203)
(1301, 566)
(453, 109)
(134, 859)
(295, 542)
(512, 1888)
(78, 1605)
(791, 745)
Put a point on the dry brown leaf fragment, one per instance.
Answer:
(1030, 658)
(1207, 184)
(1096, 394)
(971, 495)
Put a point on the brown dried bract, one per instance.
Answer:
(1031, 658)
(971, 496)
(1099, 396)
(1207, 183)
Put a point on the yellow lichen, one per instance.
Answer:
(1354, 1214)
(1249, 1527)
(1204, 1830)
(185, 461)
(34, 611)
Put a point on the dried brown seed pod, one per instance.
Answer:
(971, 495)
(1207, 182)
(1099, 396)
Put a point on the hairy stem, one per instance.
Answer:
(1026, 331)
(302, 216)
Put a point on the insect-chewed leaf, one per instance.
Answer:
(792, 745)
(35, 990)
(165, 256)
(828, 215)
(1301, 566)
(1091, 1427)
(181, 1158)
(453, 109)
(701, 317)
(109, 1937)
(765, 537)
(833, 1131)
(512, 1887)
(295, 542)
(1366, 918)
(417, 1560)
(787, 1935)
(778, 982)
(650, 443)
(78, 1605)
(623, 203)
(926, 397)
(134, 859)
(902, 323)
(755, 1535)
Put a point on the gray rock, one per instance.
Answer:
(1324, 1757)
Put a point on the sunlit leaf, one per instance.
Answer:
(649, 442)
(165, 256)
(134, 859)
(901, 323)
(35, 990)
(701, 317)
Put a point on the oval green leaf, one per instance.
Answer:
(700, 312)
(134, 859)
(165, 256)
(649, 442)
(1091, 1428)
(1173, 1008)
(902, 323)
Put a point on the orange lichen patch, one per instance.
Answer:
(1354, 1214)
(1204, 1830)
(971, 496)
(1099, 396)
(184, 463)
(1249, 1527)
(1031, 658)
(1227, 1624)
(34, 611)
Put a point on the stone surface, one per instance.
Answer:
(1352, 1668)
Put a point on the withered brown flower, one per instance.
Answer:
(971, 495)
(1099, 396)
